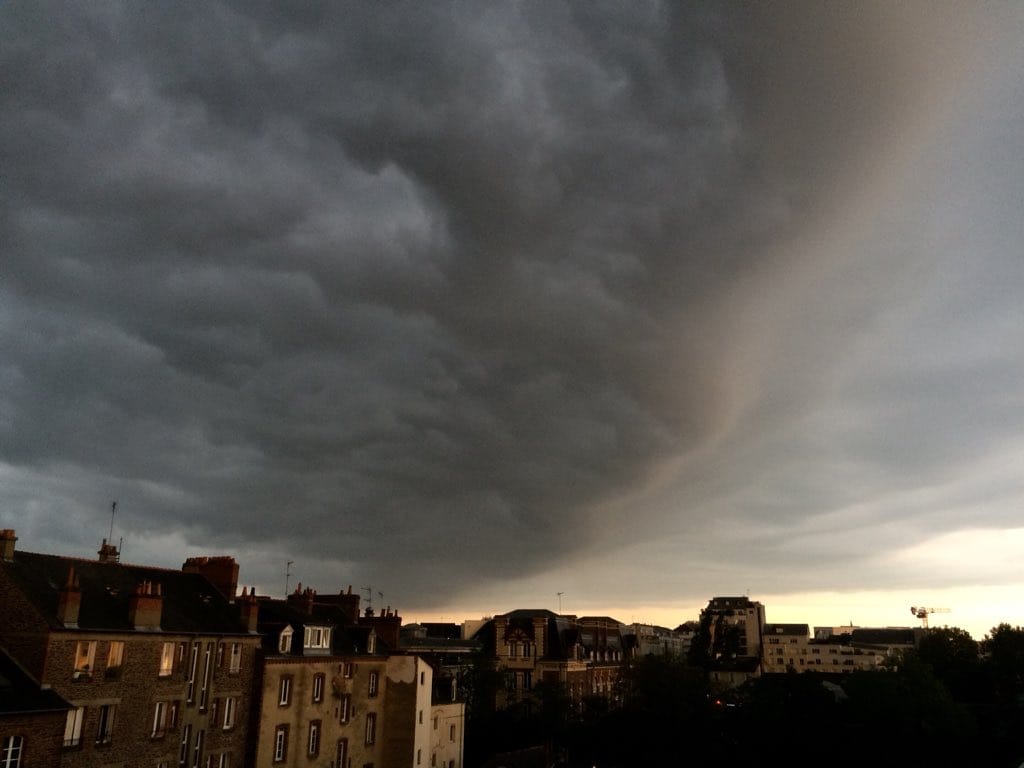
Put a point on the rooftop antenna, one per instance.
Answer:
(369, 596)
(113, 508)
(560, 601)
(287, 575)
(381, 596)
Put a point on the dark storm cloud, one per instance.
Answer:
(399, 287)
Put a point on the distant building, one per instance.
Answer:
(156, 664)
(530, 646)
(733, 627)
(649, 640)
(833, 649)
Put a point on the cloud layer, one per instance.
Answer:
(447, 297)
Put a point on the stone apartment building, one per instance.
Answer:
(31, 718)
(531, 646)
(835, 651)
(334, 693)
(156, 664)
(732, 629)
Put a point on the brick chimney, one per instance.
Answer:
(108, 553)
(302, 599)
(248, 610)
(69, 600)
(145, 607)
(221, 571)
(7, 539)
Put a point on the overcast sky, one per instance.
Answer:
(476, 303)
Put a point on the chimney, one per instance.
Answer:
(7, 539)
(69, 600)
(221, 571)
(145, 607)
(540, 635)
(248, 610)
(302, 599)
(108, 553)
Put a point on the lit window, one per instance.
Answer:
(285, 691)
(284, 644)
(10, 756)
(318, 637)
(373, 684)
(115, 658)
(349, 668)
(85, 658)
(166, 660)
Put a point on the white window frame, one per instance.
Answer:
(236, 658)
(373, 684)
(11, 751)
(318, 688)
(313, 746)
(371, 728)
(73, 727)
(280, 743)
(229, 713)
(284, 691)
(115, 656)
(159, 720)
(105, 724)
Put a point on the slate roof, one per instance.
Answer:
(190, 602)
(20, 693)
(801, 630)
(275, 614)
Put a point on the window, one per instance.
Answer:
(349, 669)
(166, 660)
(105, 727)
(423, 678)
(10, 757)
(220, 661)
(186, 740)
(280, 743)
(314, 738)
(373, 684)
(342, 753)
(205, 689)
(73, 727)
(115, 658)
(173, 710)
(236, 658)
(317, 637)
(284, 643)
(225, 760)
(214, 712)
(371, 728)
(435, 722)
(451, 733)
(193, 662)
(419, 756)
(421, 717)
(346, 708)
(229, 713)
(85, 658)
(284, 691)
(159, 720)
(318, 688)
(197, 752)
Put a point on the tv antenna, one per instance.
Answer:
(113, 508)
(560, 601)
(369, 596)
(287, 575)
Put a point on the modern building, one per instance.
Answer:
(156, 664)
(730, 630)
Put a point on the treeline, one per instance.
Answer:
(951, 702)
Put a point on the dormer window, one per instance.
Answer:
(318, 638)
(284, 643)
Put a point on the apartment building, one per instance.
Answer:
(332, 693)
(536, 645)
(31, 718)
(156, 664)
(790, 647)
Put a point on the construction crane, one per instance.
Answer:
(922, 613)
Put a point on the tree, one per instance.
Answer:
(953, 656)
